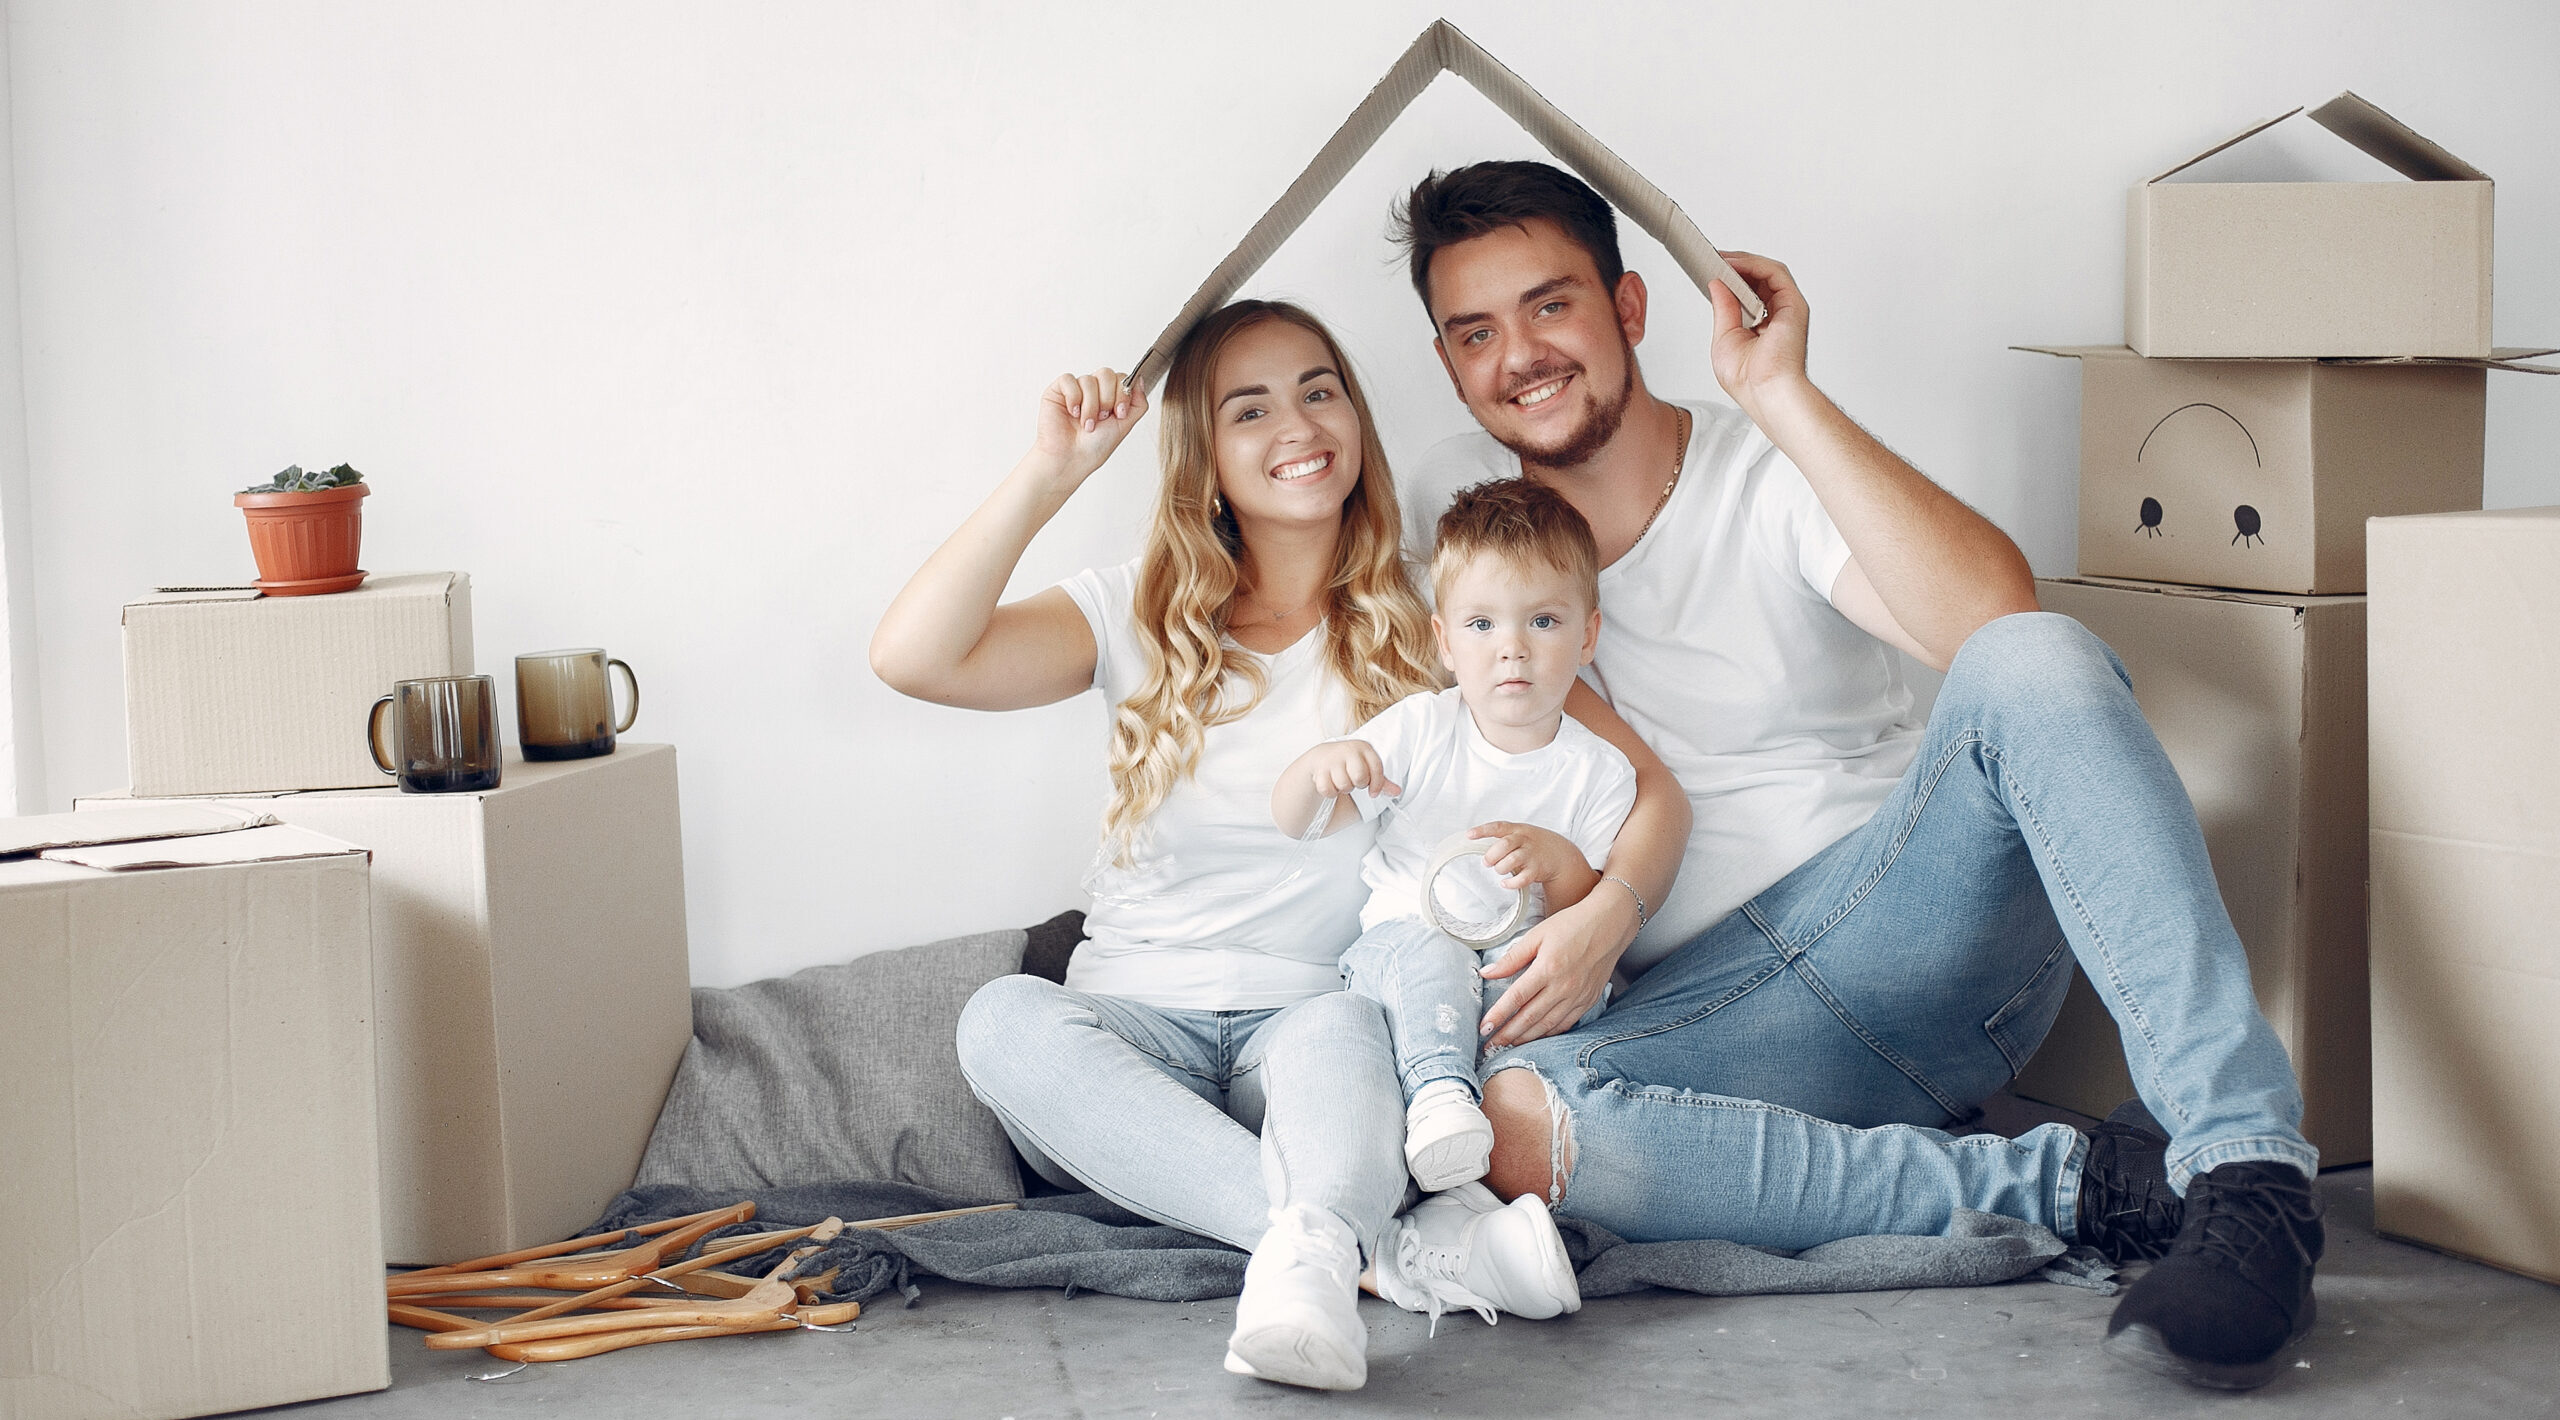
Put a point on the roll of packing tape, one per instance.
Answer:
(1479, 935)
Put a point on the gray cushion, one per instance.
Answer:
(839, 1072)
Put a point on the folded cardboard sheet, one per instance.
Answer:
(2466, 884)
(2267, 269)
(2260, 702)
(531, 989)
(191, 1221)
(227, 691)
(1442, 48)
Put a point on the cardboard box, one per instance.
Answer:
(2260, 474)
(2260, 703)
(531, 988)
(188, 1214)
(2252, 270)
(227, 691)
(2466, 885)
(1441, 48)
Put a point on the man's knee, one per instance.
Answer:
(1532, 1135)
(2034, 657)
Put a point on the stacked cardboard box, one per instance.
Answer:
(2301, 356)
(187, 1146)
(530, 977)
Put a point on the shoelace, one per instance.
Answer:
(2239, 1221)
(1438, 1268)
(2130, 1221)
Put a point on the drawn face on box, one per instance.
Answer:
(2203, 447)
(1541, 352)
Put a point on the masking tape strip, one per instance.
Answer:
(1442, 48)
(1455, 847)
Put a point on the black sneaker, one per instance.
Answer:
(2235, 1288)
(2127, 1209)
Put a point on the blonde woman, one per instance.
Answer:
(1201, 1065)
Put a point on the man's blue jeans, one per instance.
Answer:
(1777, 1080)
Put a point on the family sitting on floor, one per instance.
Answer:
(1833, 928)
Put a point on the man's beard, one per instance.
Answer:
(1597, 429)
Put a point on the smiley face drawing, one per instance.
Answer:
(2202, 436)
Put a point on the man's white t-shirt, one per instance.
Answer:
(1785, 722)
(1222, 911)
(1577, 785)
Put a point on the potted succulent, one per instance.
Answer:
(305, 529)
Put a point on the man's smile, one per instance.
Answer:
(1540, 394)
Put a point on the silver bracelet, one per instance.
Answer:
(1642, 916)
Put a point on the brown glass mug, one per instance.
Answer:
(446, 733)
(564, 703)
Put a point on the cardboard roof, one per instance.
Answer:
(2386, 139)
(1441, 48)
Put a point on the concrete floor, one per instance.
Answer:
(2402, 1331)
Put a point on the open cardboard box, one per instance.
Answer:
(2259, 701)
(2255, 270)
(2260, 474)
(187, 1150)
(2466, 884)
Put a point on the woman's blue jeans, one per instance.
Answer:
(1778, 1080)
(1159, 1110)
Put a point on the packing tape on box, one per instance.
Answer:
(1479, 935)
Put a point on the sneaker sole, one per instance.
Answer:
(1443, 1165)
(1295, 1356)
(2142, 1345)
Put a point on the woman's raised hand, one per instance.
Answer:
(1083, 418)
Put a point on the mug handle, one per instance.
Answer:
(632, 679)
(373, 736)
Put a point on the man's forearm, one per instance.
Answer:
(1941, 569)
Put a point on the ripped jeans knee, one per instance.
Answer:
(1534, 1149)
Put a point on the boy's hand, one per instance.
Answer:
(1345, 765)
(1524, 853)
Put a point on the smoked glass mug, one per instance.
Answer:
(564, 703)
(445, 734)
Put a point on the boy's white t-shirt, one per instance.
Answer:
(1452, 779)
(1210, 917)
(1786, 723)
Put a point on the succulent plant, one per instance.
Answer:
(295, 480)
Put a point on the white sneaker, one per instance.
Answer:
(1466, 1248)
(1447, 1139)
(1298, 1321)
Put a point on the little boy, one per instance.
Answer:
(1515, 579)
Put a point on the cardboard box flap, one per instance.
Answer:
(123, 825)
(1442, 47)
(2243, 136)
(272, 843)
(2296, 600)
(2505, 357)
(2393, 143)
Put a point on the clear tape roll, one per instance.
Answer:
(1478, 935)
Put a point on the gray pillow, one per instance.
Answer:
(843, 1072)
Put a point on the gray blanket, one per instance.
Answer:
(1079, 1242)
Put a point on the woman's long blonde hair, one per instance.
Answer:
(1378, 637)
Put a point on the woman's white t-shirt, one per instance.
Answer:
(1222, 911)
(1786, 724)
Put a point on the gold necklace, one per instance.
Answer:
(1679, 456)
(1273, 620)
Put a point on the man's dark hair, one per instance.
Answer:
(1447, 208)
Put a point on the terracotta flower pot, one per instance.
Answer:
(306, 543)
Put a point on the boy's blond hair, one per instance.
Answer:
(1524, 524)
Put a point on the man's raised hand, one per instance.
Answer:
(1754, 363)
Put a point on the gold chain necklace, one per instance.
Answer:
(1679, 456)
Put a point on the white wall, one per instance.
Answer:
(688, 330)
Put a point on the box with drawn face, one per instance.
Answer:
(2259, 474)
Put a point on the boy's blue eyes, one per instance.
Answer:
(1541, 622)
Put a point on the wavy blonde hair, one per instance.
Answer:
(1378, 637)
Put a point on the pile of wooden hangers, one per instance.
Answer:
(694, 1299)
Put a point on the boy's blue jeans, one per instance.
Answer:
(1426, 982)
(1778, 1080)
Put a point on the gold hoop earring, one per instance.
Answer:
(1217, 506)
